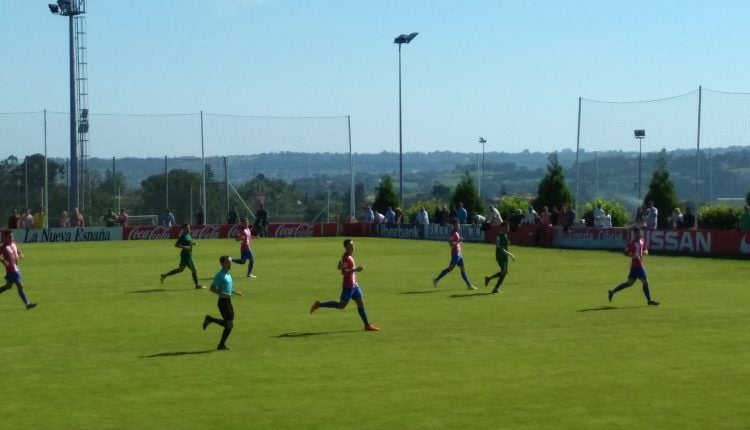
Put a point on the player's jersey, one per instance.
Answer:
(247, 239)
(347, 263)
(185, 240)
(501, 243)
(10, 257)
(636, 248)
(455, 242)
(224, 283)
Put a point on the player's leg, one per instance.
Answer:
(250, 263)
(22, 295)
(227, 312)
(646, 292)
(174, 271)
(193, 272)
(464, 276)
(620, 287)
(445, 271)
(7, 286)
(501, 276)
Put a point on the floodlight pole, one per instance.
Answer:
(71, 8)
(640, 134)
(400, 40)
(482, 192)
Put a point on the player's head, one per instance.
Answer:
(455, 223)
(504, 226)
(186, 228)
(7, 236)
(348, 245)
(225, 261)
(636, 231)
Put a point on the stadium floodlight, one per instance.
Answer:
(400, 40)
(640, 134)
(71, 9)
(481, 184)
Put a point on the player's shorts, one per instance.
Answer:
(457, 260)
(348, 293)
(226, 308)
(247, 255)
(637, 273)
(13, 277)
(187, 260)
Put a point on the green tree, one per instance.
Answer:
(282, 200)
(466, 193)
(615, 210)
(386, 195)
(661, 190)
(553, 191)
(154, 193)
(441, 192)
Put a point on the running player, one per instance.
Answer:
(457, 258)
(186, 244)
(223, 286)
(350, 288)
(10, 256)
(501, 255)
(635, 250)
(246, 251)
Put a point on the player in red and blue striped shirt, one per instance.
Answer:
(10, 255)
(636, 249)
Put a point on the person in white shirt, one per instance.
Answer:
(652, 216)
(606, 220)
(530, 217)
(494, 217)
(422, 217)
(598, 216)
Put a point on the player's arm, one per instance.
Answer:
(236, 293)
(513, 257)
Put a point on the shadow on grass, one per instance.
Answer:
(461, 296)
(177, 353)
(612, 308)
(158, 290)
(421, 292)
(308, 334)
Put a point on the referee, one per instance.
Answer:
(223, 286)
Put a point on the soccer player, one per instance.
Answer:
(185, 243)
(350, 288)
(457, 258)
(246, 252)
(635, 250)
(10, 256)
(501, 255)
(223, 286)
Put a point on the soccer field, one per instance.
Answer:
(108, 347)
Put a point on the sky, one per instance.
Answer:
(509, 71)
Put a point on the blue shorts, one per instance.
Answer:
(350, 293)
(457, 260)
(13, 277)
(247, 255)
(637, 273)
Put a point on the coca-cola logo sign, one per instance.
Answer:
(206, 232)
(150, 233)
(294, 230)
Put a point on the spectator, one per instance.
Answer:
(640, 216)
(110, 218)
(530, 217)
(688, 219)
(200, 216)
(571, 218)
(745, 219)
(607, 219)
(462, 214)
(494, 217)
(515, 219)
(14, 220)
(379, 218)
(63, 220)
(675, 221)
(651, 217)
(554, 216)
(232, 217)
(368, 216)
(479, 219)
(123, 218)
(545, 217)
(390, 216)
(77, 219)
(261, 220)
(399, 216)
(562, 219)
(446, 216)
(167, 218)
(40, 218)
(598, 216)
(27, 220)
(422, 217)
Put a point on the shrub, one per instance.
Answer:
(718, 217)
(617, 211)
(410, 214)
(509, 204)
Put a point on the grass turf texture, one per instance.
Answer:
(110, 348)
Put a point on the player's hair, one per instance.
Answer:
(347, 242)
(224, 258)
(245, 220)
(504, 224)
(455, 221)
(184, 225)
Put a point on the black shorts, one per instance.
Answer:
(226, 309)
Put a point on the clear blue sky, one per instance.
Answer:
(511, 71)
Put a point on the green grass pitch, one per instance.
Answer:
(108, 347)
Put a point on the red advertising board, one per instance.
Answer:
(229, 231)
